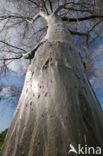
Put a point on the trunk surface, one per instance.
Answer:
(58, 105)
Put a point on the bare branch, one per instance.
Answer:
(40, 30)
(13, 16)
(82, 18)
(64, 6)
(79, 10)
(34, 18)
(58, 2)
(35, 3)
(59, 8)
(41, 13)
(86, 34)
(93, 39)
(78, 33)
(12, 58)
(12, 46)
(91, 29)
(44, 5)
(8, 51)
(4, 26)
(51, 7)
(95, 25)
(83, 4)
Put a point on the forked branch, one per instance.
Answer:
(63, 6)
(59, 8)
(40, 14)
(31, 53)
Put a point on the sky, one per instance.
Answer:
(8, 103)
(6, 114)
(14, 77)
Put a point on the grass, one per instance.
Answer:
(2, 137)
(1, 144)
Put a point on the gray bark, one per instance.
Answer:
(57, 105)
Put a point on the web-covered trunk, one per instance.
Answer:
(57, 106)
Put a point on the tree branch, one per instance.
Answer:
(12, 46)
(28, 19)
(58, 2)
(12, 58)
(82, 18)
(9, 51)
(13, 16)
(51, 7)
(34, 18)
(44, 5)
(35, 3)
(79, 10)
(59, 8)
(40, 30)
(64, 6)
(78, 33)
(41, 13)
(95, 25)
(91, 29)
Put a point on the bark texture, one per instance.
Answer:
(57, 105)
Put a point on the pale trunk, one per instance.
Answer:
(58, 105)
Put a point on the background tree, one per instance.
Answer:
(72, 104)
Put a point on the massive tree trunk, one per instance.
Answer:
(58, 106)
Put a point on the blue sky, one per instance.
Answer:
(8, 104)
(6, 114)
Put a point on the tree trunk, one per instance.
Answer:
(58, 106)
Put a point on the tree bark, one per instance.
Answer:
(57, 106)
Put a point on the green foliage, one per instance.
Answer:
(2, 137)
